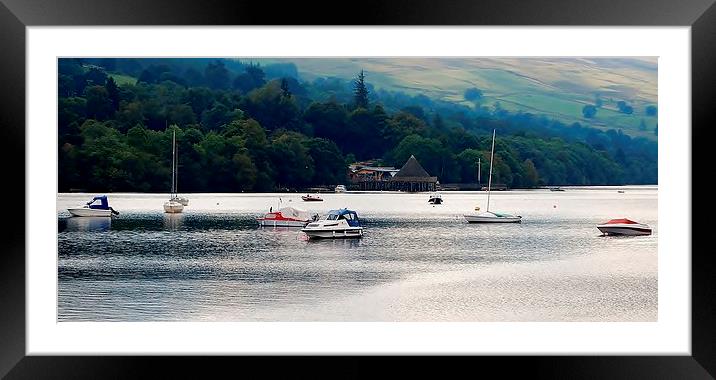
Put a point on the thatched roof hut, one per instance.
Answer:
(413, 177)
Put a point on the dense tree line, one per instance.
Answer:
(243, 127)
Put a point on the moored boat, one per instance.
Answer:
(492, 217)
(340, 189)
(489, 216)
(624, 227)
(311, 198)
(285, 217)
(94, 209)
(435, 199)
(173, 207)
(341, 223)
(175, 204)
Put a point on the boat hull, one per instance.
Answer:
(281, 223)
(624, 230)
(312, 199)
(84, 211)
(492, 219)
(173, 207)
(343, 233)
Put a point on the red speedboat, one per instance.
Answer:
(311, 198)
(624, 227)
(286, 217)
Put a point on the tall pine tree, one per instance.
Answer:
(360, 92)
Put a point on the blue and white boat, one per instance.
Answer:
(98, 206)
(341, 223)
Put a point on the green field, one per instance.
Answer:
(122, 79)
(557, 87)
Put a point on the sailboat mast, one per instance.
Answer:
(489, 181)
(176, 166)
(173, 162)
(479, 170)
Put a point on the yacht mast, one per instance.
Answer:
(176, 166)
(173, 164)
(479, 170)
(489, 181)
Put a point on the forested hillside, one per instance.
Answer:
(245, 127)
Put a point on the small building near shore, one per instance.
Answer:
(369, 175)
(412, 177)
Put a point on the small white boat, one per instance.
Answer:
(175, 204)
(624, 227)
(341, 223)
(286, 217)
(311, 198)
(490, 216)
(340, 189)
(92, 209)
(173, 207)
(435, 199)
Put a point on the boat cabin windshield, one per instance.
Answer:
(101, 205)
(349, 216)
(339, 217)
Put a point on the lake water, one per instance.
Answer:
(416, 262)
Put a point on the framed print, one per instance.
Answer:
(466, 179)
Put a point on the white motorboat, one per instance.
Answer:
(286, 217)
(435, 199)
(94, 209)
(174, 204)
(624, 227)
(341, 223)
(340, 189)
(311, 198)
(487, 216)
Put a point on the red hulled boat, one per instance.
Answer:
(624, 227)
(285, 217)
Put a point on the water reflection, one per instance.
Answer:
(88, 224)
(173, 222)
(350, 243)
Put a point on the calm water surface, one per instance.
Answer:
(416, 262)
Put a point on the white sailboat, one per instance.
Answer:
(488, 216)
(173, 205)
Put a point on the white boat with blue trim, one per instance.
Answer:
(100, 208)
(341, 223)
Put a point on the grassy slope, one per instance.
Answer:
(122, 79)
(557, 87)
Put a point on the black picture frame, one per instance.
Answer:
(16, 15)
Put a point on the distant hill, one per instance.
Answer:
(557, 87)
